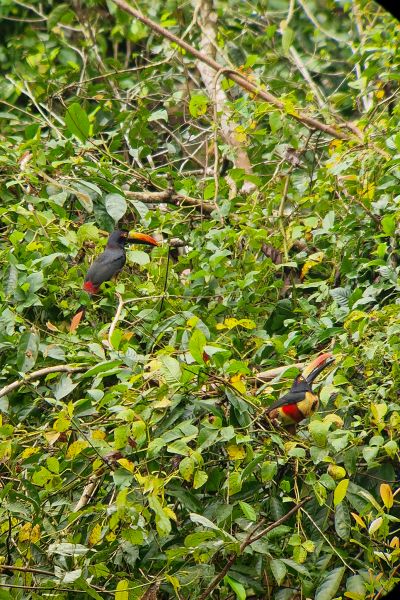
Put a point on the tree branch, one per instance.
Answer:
(247, 542)
(241, 80)
(170, 197)
(37, 374)
(271, 373)
(208, 45)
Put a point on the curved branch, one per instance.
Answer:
(37, 374)
(300, 115)
(272, 373)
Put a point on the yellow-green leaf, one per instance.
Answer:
(386, 495)
(379, 411)
(236, 452)
(95, 535)
(122, 590)
(76, 448)
(126, 464)
(200, 477)
(340, 491)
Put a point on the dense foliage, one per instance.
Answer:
(140, 466)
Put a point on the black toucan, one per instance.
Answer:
(300, 402)
(111, 261)
(108, 264)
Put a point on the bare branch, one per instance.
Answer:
(303, 117)
(115, 319)
(37, 374)
(170, 197)
(88, 491)
(212, 81)
(272, 373)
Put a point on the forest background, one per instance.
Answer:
(136, 459)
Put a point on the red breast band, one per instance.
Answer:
(90, 288)
(292, 411)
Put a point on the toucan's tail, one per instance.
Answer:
(77, 318)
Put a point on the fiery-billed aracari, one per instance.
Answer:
(300, 402)
(111, 261)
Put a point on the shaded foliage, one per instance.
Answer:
(139, 476)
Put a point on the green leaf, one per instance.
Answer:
(77, 121)
(236, 587)
(248, 511)
(330, 584)
(198, 105)
(67, 549)
(319, 432)
(234, 483)
(64, 387)
(86, 232)
(287, 39)
(163, 523)
(116, 206)
(275, 121)
(375, 525)
(342, 521)
(278, 569)
(389, 224)
(186, 468)
(159, 115)
(27, 352)
(105, 368)
(200, 478)
(196, 345)
(170, 368)
(138, 257)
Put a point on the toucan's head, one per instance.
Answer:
(122, 237)
(312, 370)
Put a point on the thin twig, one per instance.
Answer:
(327, 540)
(165, 280)
(37, 374)
(281, 217)
(247, 542)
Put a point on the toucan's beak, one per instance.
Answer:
(142, 238)
(312, 371)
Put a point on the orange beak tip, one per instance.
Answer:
(142, 238)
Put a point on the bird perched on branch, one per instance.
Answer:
(109, 263)
(300, 402)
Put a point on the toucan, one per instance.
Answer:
(300, 402)
(109, 263)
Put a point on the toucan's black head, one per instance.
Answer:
(118, 238)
